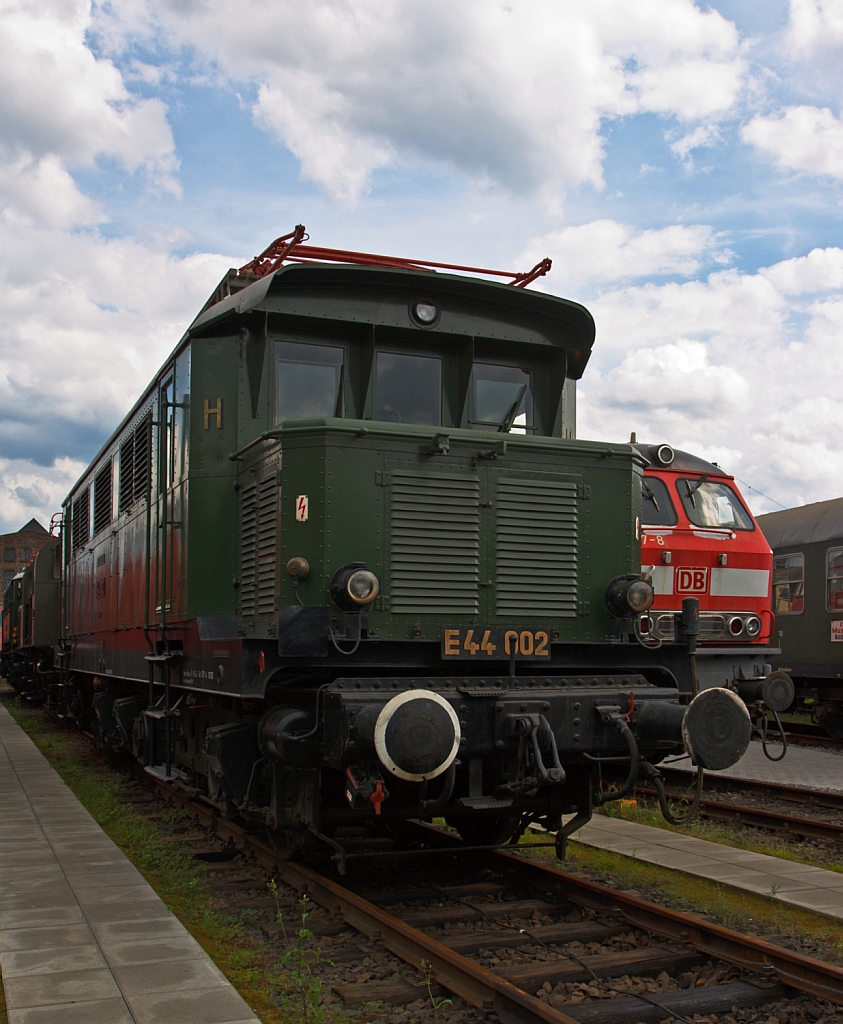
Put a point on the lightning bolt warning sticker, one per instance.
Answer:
(301, 508)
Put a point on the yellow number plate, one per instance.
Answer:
(499, 642)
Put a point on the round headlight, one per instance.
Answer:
(640, 596)
(665, 454)
(735, 625)
(362, 586)
(354, 587)
(628, 595)
(424, 313)
(753, 626)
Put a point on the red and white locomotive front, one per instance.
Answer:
(698, 539)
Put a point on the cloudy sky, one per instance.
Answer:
(682, 165)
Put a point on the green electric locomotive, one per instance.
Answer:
(345, 562)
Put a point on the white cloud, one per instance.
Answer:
(605, 250)
(704, 135)
(815, 24)
(511, 94)
(821, 270)
(801, 139)
(62, 108)
(29, 491)
(738, 367)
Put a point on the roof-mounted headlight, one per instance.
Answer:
(354, 587)
(629, 595)
(424, 312)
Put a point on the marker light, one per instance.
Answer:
(753, 626)
(736, 625)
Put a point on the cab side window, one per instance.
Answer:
(789, 584)
(308, 380)
(408, 389)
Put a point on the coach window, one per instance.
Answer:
(408, 389)
(713, 505)
(308, 380)
(834, 579)
(656, 507)
(501, 396)
(789, 584)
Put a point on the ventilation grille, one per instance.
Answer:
(259, 545)
(434, 545)
(102, 498)
(134, 465)
(80, 520)
(536, 561)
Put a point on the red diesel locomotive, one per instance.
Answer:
(698, 539)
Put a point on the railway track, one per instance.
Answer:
(509, 927)
(803, 734)
(777, 818)
(523, 942)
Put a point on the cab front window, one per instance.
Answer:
(501, 396)
(656, 507)
(408, 389)
(308, 380)
(713, 505)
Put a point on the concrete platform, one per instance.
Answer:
(810, 767)
(798, 885)
(83, 937)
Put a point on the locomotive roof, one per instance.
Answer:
(683, 462)
(502, 301)
(511, 304)
(807, 524)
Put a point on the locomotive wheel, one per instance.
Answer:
(492, 830)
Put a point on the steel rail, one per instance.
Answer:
(474, 983)
(455, 972)
(761, 817)
(793, 969)
(793, 794)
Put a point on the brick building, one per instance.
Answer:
(16, 549)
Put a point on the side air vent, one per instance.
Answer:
(248, 546)
(536, 560)
(134, 465)
(259, 514)
(434, 555)
(102, 498)
(80, 520)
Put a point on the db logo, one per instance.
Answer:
(691, 581)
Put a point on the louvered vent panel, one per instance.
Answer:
(536, 557)
(127, 472)
(80, 523)
(267, 543)
(434, 545)
(248, 545)
(141, 457)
